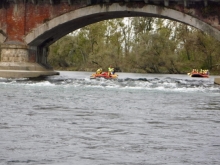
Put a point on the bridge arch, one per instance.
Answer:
(52, 30)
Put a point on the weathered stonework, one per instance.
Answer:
(14, 53)
(2, 38)
(18, 61)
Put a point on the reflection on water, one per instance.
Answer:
(137, 119)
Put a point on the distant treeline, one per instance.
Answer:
(140, 45)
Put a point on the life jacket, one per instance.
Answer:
(110, 69)
(99, 71)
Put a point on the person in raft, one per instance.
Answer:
(99, 71)
(110, 70)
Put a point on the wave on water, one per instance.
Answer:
(175, 84)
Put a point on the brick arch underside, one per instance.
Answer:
(49, 32)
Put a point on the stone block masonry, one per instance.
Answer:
(14, 53)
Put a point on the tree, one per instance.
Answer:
(138, 44)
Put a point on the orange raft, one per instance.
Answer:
(199, 75)
(104, 75)
(202, 73)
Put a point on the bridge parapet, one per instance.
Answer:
(186, 3)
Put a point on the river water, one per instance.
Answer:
(138, 119)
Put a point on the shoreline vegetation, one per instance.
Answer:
(137, 45)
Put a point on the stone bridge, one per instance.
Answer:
(29, 27)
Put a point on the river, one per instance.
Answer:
(138, 119)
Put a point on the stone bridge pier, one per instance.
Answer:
(20, 61)
(18, 58)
